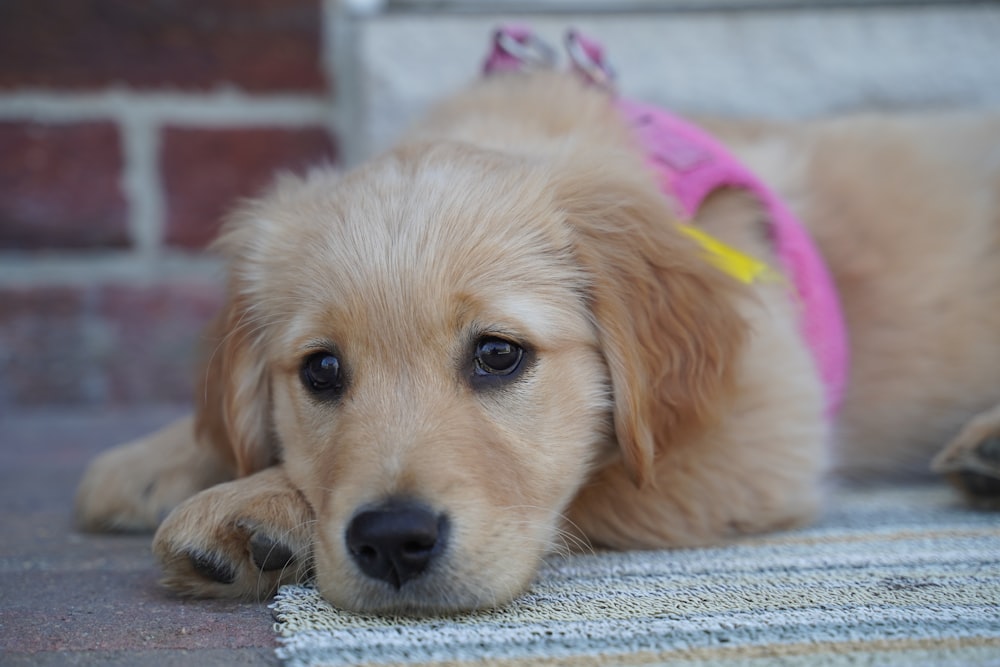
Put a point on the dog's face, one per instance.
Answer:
(440, 351)
(433, 372)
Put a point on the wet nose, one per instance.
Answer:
(397, 540)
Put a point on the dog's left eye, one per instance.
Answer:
(321, 373)
(497, 357)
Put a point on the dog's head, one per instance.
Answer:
(442, 346)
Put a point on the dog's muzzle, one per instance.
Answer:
(397, 540)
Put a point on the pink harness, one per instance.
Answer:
(691, 165)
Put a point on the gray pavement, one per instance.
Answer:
(70, 598)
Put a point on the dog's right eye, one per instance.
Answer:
(496, 361)
(496, 356)
(321, 374)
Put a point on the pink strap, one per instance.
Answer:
(691, 165)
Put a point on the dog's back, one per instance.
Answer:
(907, 212)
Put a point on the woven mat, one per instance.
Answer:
(901, 576)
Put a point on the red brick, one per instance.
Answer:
(158, 333)
(207, 171)
(60, 186)
(102, 344)
(44, 355)
(256, 45)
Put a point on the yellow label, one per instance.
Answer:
(728, 259)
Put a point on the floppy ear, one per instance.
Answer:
(233, 409)
(667, 319)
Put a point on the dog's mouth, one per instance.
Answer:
(401, 556)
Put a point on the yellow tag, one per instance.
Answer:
(728, 259)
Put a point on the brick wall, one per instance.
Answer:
(128, 126)
(126, 130)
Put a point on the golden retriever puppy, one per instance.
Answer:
(496, 341)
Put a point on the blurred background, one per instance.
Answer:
(128, 128)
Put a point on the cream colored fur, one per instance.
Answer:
(664, 404)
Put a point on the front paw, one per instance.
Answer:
(241, 539)
(131, 488)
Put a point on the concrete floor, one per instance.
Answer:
(68, 598)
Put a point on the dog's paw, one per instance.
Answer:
(979, 475)
(131, 488)
(972, 461)
(241, 539)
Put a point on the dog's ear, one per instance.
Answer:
(233, 408)
(668, 321)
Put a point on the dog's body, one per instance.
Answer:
(493, 342)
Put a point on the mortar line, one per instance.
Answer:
(142, 184)
(341, 35)
(212, 109)
(95, 268)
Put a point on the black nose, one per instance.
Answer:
(397, 540)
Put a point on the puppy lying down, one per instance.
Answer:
(503, 338)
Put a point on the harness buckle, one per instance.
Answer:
(517, 47)
(587, 58)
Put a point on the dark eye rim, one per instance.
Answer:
(327, 390)
(483, 377)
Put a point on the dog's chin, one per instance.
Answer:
(435, 593)
(412, 599)
(457, 582)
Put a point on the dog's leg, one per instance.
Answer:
(241, 539)
(133, 486)
(972, 459)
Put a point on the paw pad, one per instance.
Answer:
(980, 486)
(989, 450)
(979, 478)
(212, 567)
(269, 554)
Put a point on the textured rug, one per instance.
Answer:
(901, 576)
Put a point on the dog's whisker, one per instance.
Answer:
(576, 536)
(573, 541)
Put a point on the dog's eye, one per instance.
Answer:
(497, 357)
(321, 374)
